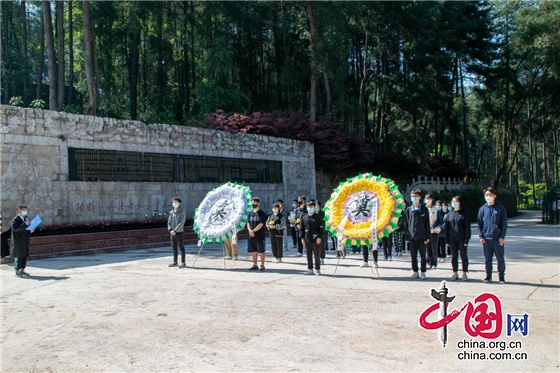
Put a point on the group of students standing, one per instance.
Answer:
(429, 230)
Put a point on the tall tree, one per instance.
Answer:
(60, 37)
(51, 59)
(88, 59)
(313, 46)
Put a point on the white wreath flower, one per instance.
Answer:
(223, 212)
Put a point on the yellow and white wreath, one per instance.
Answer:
(349, 211)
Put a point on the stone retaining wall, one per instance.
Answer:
(35, 171)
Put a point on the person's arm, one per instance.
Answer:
(169, 228)
(504, 222)
(427, 224)
(261, 223)
(182, 219)
(18, 224)
(467, 222)
(446, 228)
(480, 222)
(282, 224)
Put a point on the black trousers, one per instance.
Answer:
(375, 254)
(324, 245)
(4, 243)
(387, 243)
(299, 246)
(418, 246)
(276, 244)
(458, 246)
(432, 250)
(491, 248)
(20, 263)
(313, 249)
(294, 236)
(177, 242)
(441, 247)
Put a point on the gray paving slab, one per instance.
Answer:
(129, 312)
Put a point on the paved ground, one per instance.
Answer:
(129, 312)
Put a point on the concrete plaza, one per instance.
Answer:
(129, 312)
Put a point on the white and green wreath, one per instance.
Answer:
(222, 213)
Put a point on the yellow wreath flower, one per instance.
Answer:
(354, 200)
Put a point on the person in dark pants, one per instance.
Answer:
(176, 227)
(457, 236)
(312, 229)
(275, 225)
(416, 225)
(441, 236)
(5, 229)
(432, 246)
(292, 221)
(492, 228)
(300, 213)
(324, 241)
(20, 241)
(255, 227)
(374, 252)
(387, 244)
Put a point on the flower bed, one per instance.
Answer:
(79, 228)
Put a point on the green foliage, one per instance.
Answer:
(37, 104)
(16, 101)
(473, 199)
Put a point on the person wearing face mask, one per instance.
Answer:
(435, 223)
(492, 228)
(20, 241)
(275, 225)
(457, 236)
(445, 209)
(319, 210)
(285, 230)
(292, 221)
(441, 236)
(300, 213)
(255, 227)
(311, 233)
(176, 227)
(416, 225)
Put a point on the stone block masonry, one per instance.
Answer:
(34, 165)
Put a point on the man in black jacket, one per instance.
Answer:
(301, 211)
(416, 225)
(20, 241)
(312, 230)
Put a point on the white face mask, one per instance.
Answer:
(175, 204)
(489, 199)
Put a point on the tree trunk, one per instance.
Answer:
(70, 54)
(363, 100)
(313, 88)
(209, 42)
(328, 94)
(193, 65)
(88, 57)
(41, 60)
(133, 63)
(46, 6)
(60, 37)
(160, 74)
(465, 129)
(24, 44)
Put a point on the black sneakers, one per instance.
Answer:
(488, 279)
(502, 279)
(253, 268)
(173, 265)
(183, 265)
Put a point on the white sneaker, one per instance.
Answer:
(465, 277)
(234, 258)
(279, 260)
(375, 265)
(275, 261)
(298, 255)
(322, 261)
(308, 272)
(455, 277)
(317, 273)
(228, 257)
(423, 276)
(415, 275)
(364, 265)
